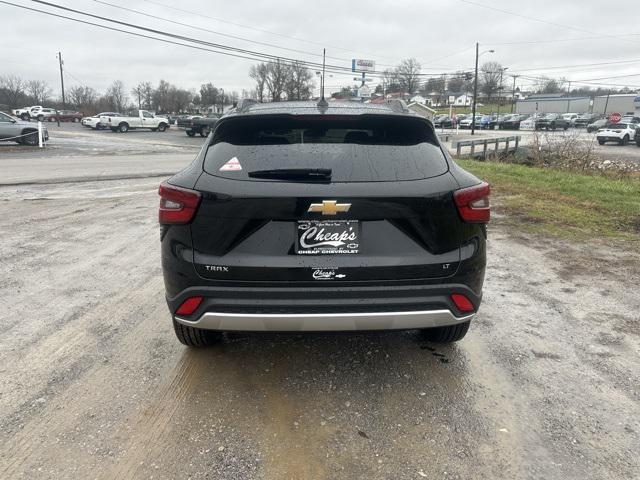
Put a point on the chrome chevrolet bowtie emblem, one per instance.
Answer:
(329, 207)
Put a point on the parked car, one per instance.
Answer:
(95, 122)
(528, 123)
(19, 131)
(466, 122)
(201, 125)
(512, 122)
(551, 121)
(38, 112)
(136, 120)
(630, 118)
(443, 121)
(597, 125)
(585, 119)
(571, 118)
(24, 113)
(65, 116)
(620, 132)
(277, 225)
(185, 120)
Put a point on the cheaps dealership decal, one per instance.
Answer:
(327, 274)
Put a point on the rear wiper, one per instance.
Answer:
(294, 174)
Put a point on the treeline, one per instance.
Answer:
(164, 98)
(277, 81)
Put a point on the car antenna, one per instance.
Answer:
(322, 102)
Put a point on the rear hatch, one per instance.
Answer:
(317, 198)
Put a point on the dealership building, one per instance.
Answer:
(557, 103)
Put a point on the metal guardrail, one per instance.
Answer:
(510, 145)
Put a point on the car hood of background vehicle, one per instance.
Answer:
(348, 162)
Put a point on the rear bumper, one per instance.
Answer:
(334, 322)
(325, 308)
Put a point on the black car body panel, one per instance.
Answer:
(239, 251)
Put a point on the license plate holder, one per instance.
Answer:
(327, 237)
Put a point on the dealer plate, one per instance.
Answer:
(328, 237)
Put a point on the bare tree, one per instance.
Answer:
(437, 85)
(390, 82)
(83, 98)
(259, 74)
(116, 96)
(13, 89)
(490, 78)
(549, 85)
(408, 75)
(300, 83)
(38, 90)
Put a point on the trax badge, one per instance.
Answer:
(232, 165)
(329, 207)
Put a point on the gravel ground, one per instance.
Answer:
(94, 384)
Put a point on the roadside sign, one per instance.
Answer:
(364, 92)
(615, 117)
(360, 65)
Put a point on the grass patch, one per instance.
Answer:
(563, 203)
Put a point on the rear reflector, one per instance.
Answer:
(177, 205)
(462, 303)
(189, 306)
(473, 203)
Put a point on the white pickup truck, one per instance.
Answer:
(144, 119)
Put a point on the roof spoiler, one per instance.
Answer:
(397, 105)
(244, 104)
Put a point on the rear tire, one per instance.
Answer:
(204, 132)
(451, 333)
(123, 127)
(31, 138)
(195, 337)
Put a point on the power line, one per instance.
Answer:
(282, 35)
(216, 32)
(238, 52)
(539, 20)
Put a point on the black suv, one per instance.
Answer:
(297, 217)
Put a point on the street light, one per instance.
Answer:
(475, 88)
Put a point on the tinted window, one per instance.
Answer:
(368, 148)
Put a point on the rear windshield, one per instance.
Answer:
(366, 148)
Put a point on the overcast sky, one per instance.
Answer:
(440, 35)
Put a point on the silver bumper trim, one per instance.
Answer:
(323, 322)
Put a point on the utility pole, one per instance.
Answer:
(568, 96)
(513, 92)
(475, 93)
(64, 104)
(502, 70)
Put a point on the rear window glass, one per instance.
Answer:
(367, 148)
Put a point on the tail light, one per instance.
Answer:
(461, 302)
(177, 205)
(473, 203)
(189, 306)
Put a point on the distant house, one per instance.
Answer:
(418, 99)
(459, 99)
